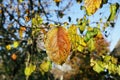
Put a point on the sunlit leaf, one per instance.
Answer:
(113, 10)
(77, 41)
(89, 35)
(45, 66)
(82, 24)
(37, 20)
(89, 28)
(8, 47)
(15, 44)
(29, 69)
(82, 27)
(114, 60)
(112, 68)
(107, 58)
(58, 44)
(98, 67)
(91, 45)
(80, 48)
(118, 70)
(92, 6)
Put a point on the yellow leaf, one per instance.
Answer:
(112, 68)
(114, 60)
(72, 30)
(8, 47)
(92, 5)
(57, 44)
(37, 20)
(118, 70)
(15, 44)
(98, 67)
(45, 66)
(92, 62)
(76, 40)
(91, 45)
(82, 27)
(80, 48)
(107, 58)
(81, 41)
(29, 69)
(89, 28)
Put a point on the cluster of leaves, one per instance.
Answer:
(109, 63)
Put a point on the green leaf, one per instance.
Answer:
(113, 10)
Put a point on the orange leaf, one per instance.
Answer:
(57, 45)
(92, 5)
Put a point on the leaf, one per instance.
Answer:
(45, 66)
(29, 69)
(37, 20)
(118, 70)
(98, 67)
(8, 47)
(58, 45)
(112, 68)
(91, 45)
(114, 60)
(113, 10)
(80, 48)
(82, 24)
(15, 44)
(107, 58)
(92, 5)
(88, 35)
(76, 40)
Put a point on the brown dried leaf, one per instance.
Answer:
(57, 45)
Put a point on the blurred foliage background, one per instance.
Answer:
(23, 28)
